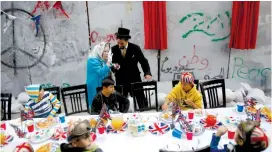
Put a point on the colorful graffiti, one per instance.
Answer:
(245, 72)
(49, 85)
(94, 36)
(203, 23)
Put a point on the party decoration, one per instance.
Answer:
(24, 147)
(215, 126)
(58, 6)
(36, 19)
(43, 5)
(49, 147)
(186, 125)
(103, 116)
(59, 134)
(112, 130)
(159, 128)
(20, 133)
(266, 112)
(10, 19)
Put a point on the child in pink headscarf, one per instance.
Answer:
(185, 94)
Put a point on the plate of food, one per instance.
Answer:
(167, 117)
(5, 138)
(210, 122)
(41, 136)
(49, 147)
(46, 124)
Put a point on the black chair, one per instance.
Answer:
(56, 92)
(118, 88)
(6, 102)
(142, 95)
(211, 87)
(77, 96)
(175, 82)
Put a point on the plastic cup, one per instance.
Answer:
(191, 114)
(3, 125)
(101, 130)
(176, 133)
(62, 118)
(240, 107)
(231, 132)
(189, 135)
(30, 125)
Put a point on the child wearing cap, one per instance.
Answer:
(248, 136)
(41, 102)
(80, 139)
(185, 94)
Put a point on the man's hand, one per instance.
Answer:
(116, 66)
(148, 77)
(221, 131)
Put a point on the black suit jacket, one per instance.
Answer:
(129, 71)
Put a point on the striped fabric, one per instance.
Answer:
(259, 138)
(42, 108)
(187, 77)
(33, 91)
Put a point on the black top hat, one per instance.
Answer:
(123, 32)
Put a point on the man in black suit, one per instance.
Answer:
(127, 55)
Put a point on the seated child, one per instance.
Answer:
(41, 102)
(249, 138)
(79, 139)
(113, 99)
(185, 94)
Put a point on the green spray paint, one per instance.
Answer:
(197, 27)
(49, 85)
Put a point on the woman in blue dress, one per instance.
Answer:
(98, 68)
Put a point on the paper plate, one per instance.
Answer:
(167, 117)
(217, 124)
(111, 130)
(5, 138)
(41, 136)
(45, 124)
(159, 128)
(173, 147)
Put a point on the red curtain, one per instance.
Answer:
(155, 29)
(244, 25)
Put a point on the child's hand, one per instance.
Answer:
(164, 106)
(50, 118)
(189, 102)
(221, 131)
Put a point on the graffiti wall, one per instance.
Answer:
(198, 35)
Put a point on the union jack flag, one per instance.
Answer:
(110, 128)
(159, 128)
(217, 124)
(257, 115)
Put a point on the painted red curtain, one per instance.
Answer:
(155, 29)
(244, 25)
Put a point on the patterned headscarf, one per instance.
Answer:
(98, 49)
(258, 139)
(187, 77)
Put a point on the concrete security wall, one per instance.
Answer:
(63, 59)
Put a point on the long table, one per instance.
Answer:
(124, 142)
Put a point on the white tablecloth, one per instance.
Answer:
(124, 142)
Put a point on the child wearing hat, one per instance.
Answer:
(41, 102)
(80, 139)
(248, 136)
(185, 94)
